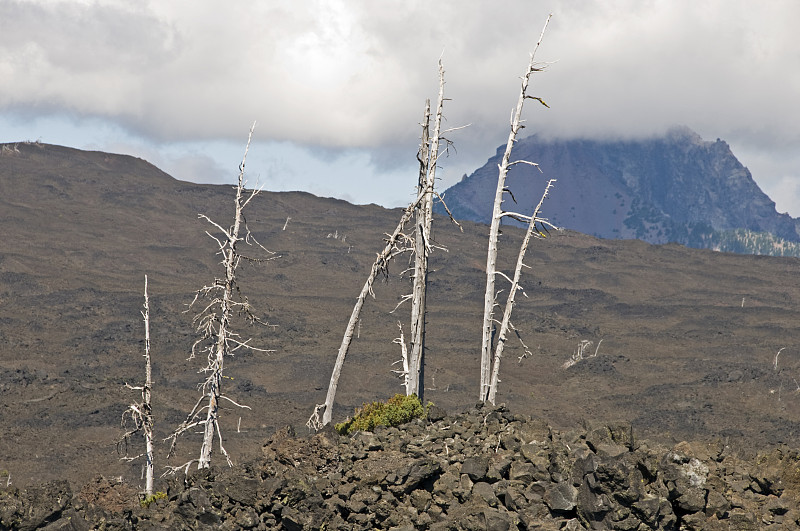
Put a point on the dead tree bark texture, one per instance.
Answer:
(142, 413)
(429, 155)
(505, 325)
(490, 296)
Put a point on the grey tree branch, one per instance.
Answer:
(380, 265)
(494, 231)
(141, 414)
(506, 323)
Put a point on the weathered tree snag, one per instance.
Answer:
(404, 372)
(506, 323)
(420, 275)
(142, 413)
(213, 323)
(428, 157)
(390, 250)
(490, 296)
(397, 243)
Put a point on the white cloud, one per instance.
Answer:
(352, 76)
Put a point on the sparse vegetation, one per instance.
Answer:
(396, 411)
(147, 500)
(744, 241)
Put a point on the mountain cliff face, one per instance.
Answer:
(675, 188)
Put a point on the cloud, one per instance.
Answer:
(336, 76)
(634, 68)
(355, 74)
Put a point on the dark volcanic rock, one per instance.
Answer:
(35, 507)
(475, 467)
(647, 486)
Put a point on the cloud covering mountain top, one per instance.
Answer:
(338, 77)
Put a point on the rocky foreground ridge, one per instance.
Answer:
(486, 469)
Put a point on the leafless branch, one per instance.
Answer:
(525, 162)
(217, 339)
(403, 299)
(489, 366)
(517, 216)
(447, 209)
(404, 373)
(314, 423)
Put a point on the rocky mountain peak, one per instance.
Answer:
(675, 187)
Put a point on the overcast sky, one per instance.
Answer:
(338, 87)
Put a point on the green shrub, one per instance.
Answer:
(397, 410)
(147, 500)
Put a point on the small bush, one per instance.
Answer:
(147, 500)
(396, 411)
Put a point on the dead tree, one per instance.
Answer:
(395, 244)
(428, 158)
(506, 325)
(218, 340)
(414, 362)
(490, 296)
(404, 373)
(398, 243)
(141, 413)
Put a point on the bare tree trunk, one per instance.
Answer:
(506, 323)
(142, 413)
(490, 297)
(423, 239)
(419, 280)
(380, 264)
(146, 395)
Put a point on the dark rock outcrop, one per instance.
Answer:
(674, 188)
(485, 469)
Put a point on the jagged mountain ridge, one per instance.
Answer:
(674, 188)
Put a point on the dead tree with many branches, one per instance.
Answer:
(218, 340)
(489, 376)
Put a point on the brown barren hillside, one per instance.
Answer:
(689, 337)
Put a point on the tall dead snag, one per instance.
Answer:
(498, 214)
(505, 325)
(428, 158)
(397, 243)
(413, 362)
(141, 413)
(394, 246)
(217, 339)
